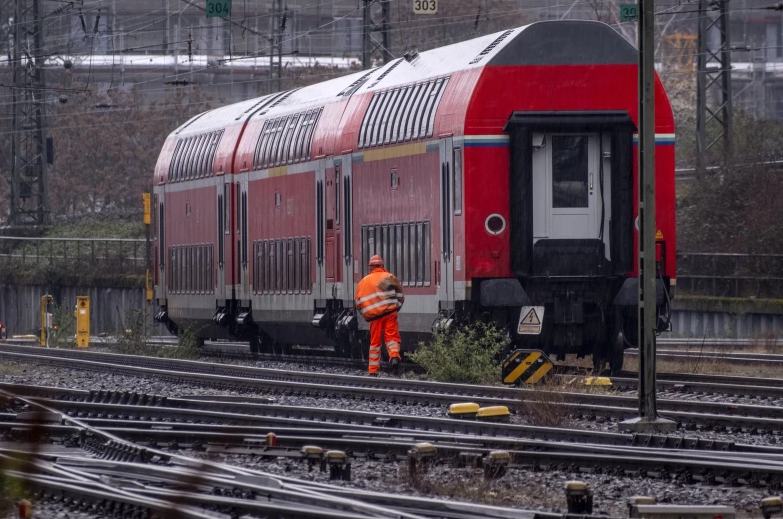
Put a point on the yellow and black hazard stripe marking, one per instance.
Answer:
(527, 366)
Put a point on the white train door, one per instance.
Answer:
(446, 265)
(571, 187)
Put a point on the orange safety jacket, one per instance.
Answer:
(378, 294)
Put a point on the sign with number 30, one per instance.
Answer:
(425, 6)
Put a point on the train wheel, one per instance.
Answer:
(618, 353)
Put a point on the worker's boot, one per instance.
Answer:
(396, 365)
(375, 374)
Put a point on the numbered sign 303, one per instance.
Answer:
(218, 8)
(425, 6)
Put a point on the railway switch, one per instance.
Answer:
(498, 413)
(579, 497)
(771, 506)
(526, 367)
(496, 463)
(314, 455)
(339, 465)
(82, 314)
(464, 410)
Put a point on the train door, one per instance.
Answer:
(352, 266)
(571, 185)
(241, 239)
(319, 291)
(225, 239)
(333, 197)
(161, 254)
(446, 266)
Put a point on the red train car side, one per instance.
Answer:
(495, 176)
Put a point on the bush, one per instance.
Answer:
(133, 339)
(188, 345)
(468, 354)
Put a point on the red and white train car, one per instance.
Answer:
(492, 175)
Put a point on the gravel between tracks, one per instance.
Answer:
(519, 488)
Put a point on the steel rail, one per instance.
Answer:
(431, 393)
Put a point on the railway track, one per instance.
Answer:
(128, 446)
(692, 413)
(123, 477)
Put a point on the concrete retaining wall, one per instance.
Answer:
(20, 307)
(697, 323)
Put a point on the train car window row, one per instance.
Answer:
(402, 114)
(405, 248)
(191, 269)
(194, 157)
(282, 266)
(286, 140)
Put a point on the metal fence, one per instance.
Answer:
(115, 255)
(730, 275)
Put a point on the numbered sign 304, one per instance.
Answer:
(218, 8)
(425, 6)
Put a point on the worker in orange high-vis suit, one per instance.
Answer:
(378, 299)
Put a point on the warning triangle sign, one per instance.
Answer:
(531, 318)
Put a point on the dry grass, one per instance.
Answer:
(542, 404)
(470, 485)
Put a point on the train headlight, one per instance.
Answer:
(495, 224)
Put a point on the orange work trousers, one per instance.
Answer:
(387, 330)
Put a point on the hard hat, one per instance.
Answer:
(376, 261)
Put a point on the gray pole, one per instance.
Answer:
(648, 420)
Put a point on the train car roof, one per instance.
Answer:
(540, 43)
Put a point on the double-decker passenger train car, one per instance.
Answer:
(494, 176)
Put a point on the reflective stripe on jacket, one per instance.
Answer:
(378, 294)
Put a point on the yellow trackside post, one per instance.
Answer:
(82, 314)
(46, 320)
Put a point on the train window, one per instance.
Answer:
(304, 260)
(213, 152)
(209, 267)
(288, 154)
(363, 129)
(390, 126)
(204, 163)
(268, 141)
(162, 234)
(419, 254)
(383, 118)
(569, 171)
(428, 120)
(279, 140)
(377, 119)
(203, 265)
(398, 116)
(278, 265)
(177, 173)
(174, 159)
(421, 104)
(412, 252)
(337, 194)
(196, 164)
(238, 203)
(227, 208)
(427, 251)
(193, 268)
(259, 145)
(269, 247)
(262, 143)
(407, 128)
(308, 140)
(457, 182)
(277, 151)
(190, 152)
(298, 142)
(289, 254)
(398, 250)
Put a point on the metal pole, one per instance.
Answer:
(701, 90)
(648, 419)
